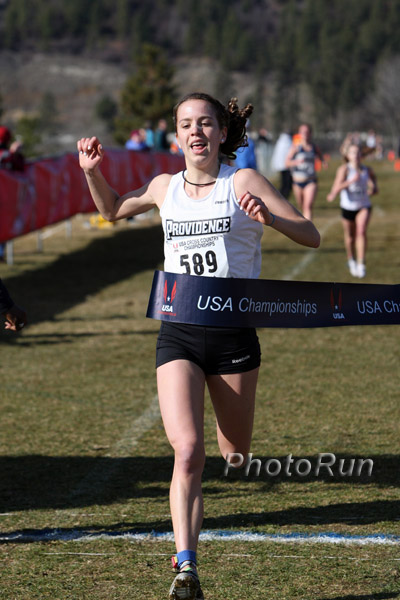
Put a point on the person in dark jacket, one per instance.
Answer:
(15, 317)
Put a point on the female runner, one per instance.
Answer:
(189, 356)
(301, 162)
(356, 184)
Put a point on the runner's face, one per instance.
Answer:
(198, 131)
(305, 132)
(353, 154)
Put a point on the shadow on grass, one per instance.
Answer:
(68, 281)
(288, 251)
(65, 483)
(352, 513)
(46, 482)
(376, 596)
(47, 339)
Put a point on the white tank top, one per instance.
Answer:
(212, 236)
(356, 196)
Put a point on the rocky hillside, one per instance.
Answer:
(77, 84)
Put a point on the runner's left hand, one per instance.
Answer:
(255, 209)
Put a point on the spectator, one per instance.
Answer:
(263, 136)
(160, 136)
(149, 134)
(246, 155)
(11, 156)
(370, 141)
(137, 140)
(278, 162)
(15, 317)
(175, 148)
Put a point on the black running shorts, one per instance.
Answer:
(350, 215)
(216, 350)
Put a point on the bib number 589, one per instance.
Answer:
(197, 264)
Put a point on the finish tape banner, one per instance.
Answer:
(221, 302)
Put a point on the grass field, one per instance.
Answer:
(83, 451)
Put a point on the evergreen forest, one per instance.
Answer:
(343, 53)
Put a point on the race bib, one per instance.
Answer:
(198, 256)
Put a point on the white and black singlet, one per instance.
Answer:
(304, 172)
(212, 237)
(355, 197)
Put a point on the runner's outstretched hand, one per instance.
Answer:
(91, 153)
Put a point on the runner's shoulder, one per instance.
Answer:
(162, 180)
(158, 185)
(246, 179)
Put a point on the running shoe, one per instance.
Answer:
(186, 585)
(361, 270)
(351, 263)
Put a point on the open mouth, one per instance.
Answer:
(198, 146)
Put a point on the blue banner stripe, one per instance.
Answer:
(222, 302)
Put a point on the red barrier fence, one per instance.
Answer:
(55, 189)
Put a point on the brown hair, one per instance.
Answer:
(231, 117)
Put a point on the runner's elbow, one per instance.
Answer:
(110, 213)
(316, 240)
(107, 216)
(311, 237)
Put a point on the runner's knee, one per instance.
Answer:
(189, 458)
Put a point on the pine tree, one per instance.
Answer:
(373, 34)
(393, 27)
(327, 78)
(231, 32)
(148, 95)
(44, 24)
(212, 41)
(48, 114)
(195, 25)
(286, 105)
(140, 30)
(307, 50)
(28, 128)
(106, 109)
(122, 19)
(244, 55)
(12, 25)
(76, 12)
(96, 15)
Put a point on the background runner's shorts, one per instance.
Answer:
(350, 215)
(216, 350)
